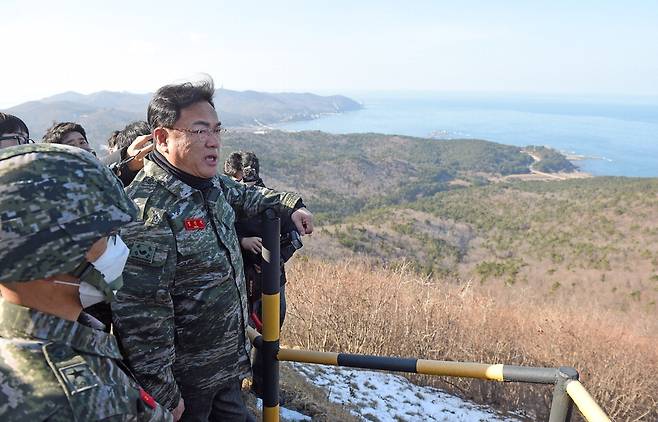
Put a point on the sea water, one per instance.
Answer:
(612, 136)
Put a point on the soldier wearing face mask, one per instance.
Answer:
(60, 212)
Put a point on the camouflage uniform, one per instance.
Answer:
(181, 314)
(55, 202)
(59, 370)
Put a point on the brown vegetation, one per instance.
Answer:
(360, 308)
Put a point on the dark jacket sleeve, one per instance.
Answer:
(252, 226)
(250, 201)
(116, 163)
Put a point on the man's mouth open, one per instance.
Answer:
(211, 159)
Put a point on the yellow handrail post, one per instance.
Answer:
(586, 404)
(271, 309)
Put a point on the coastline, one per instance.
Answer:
(610, 143)
(537, 175)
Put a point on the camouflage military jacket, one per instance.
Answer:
(58, 370)
(181, 314)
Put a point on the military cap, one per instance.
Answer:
(55, 202)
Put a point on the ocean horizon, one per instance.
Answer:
(614, 136)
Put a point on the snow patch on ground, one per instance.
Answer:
(376, 396)
(286, 414)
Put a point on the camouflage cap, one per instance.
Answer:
(55, 202)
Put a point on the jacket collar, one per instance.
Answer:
(172, 184)
(19, 321)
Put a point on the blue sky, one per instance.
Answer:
(553, 47)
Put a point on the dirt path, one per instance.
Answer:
(540, 175)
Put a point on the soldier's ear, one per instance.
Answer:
(160, 137)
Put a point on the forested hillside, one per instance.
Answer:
(345, 174)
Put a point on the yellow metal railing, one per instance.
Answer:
(567, 389)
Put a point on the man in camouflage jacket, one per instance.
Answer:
(58, 206)
(181, 315)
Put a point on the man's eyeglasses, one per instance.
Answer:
(18, 140)
(202, 133)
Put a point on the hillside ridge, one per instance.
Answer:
(102, 112)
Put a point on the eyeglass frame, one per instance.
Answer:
(22, 140)
(201, 133)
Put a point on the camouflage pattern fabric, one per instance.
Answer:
(58, 370)
(55, 202)
(181, 314)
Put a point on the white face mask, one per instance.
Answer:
(110, 264)
(113, 260)
(89, 295)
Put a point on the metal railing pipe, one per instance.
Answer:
(586, 404)
(483, 371)
(568, 389)
(530, 374)
(562, 405)
(461, 369)
(271, 310)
